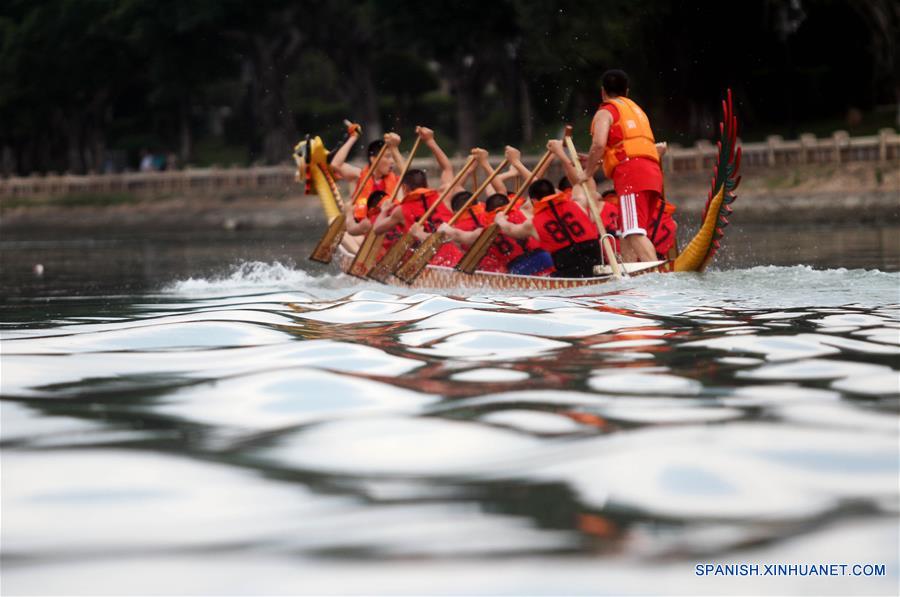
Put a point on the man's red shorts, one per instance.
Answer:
(638, 211)
(638, 183)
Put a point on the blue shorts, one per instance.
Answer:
(531, 264)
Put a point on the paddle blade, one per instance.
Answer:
(366, 255)
(391, 260)
(324, 251)
(414, 266)
(478, 250)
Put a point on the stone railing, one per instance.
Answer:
(191, 181)
(774, 153)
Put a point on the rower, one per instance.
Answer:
(514, 156)
(506, 254)
(468, 228)
(609, 212)
(383, 179)
(623, 140)
(563, 228)
(472, 219)
(373, 208)
(417, 198)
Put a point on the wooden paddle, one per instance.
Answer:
(595, 213)
(414, 266)
(368, 251)
(391, 261)
(480, 247)
(324, 251)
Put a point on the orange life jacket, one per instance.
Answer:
(472, 219)
(637, 136)
(386, 184)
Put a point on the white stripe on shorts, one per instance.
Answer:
(628, 207)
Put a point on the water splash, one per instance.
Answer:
(259, 277)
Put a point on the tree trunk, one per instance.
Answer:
(271, 56)
(359, 88)
(98, 148)
(186, 140)
(69, 128)
(369, 103)
(466, 121)
(7, 161)
(525, 112)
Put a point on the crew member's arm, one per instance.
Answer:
(339, 161)
(543, 169)
(515, 160)
(388, 218)
(393, 142)
(481, 156)
(600, 135)
(462, 237)
(418, 232)
(662, 148)
(555, 146)
(427, 135)
(353, 227)
(511, 172)
(520, 231)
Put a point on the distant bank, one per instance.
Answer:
(863, 192)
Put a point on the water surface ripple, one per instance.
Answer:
(272, 431)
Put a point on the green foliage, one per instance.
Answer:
(232, 81)
(404, 74)
(211, 151)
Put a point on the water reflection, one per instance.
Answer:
(549, 444)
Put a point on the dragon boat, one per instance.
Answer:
(312, 161)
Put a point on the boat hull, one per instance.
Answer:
(436, 276)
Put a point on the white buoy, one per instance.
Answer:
(38, 269)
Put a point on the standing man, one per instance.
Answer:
(623, 141)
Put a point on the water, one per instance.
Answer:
(201, 415)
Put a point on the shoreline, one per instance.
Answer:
(854, 194)
(865, 208)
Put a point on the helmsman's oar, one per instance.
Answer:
(480, 247)
(595, 213)
(371, 245)
(392, 259)
(414, 266)
(324, 251)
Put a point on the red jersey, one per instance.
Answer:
(506, 249)
(414, 206)
(390, 237)
(662, 235)
(610, 215)
(560, 222)
(515, 216)
(472, 219)
(632, 175)
(662, 230)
